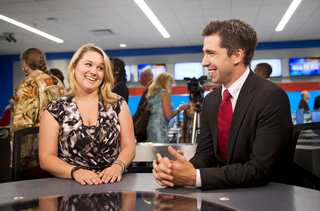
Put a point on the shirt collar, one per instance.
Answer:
(235, 88)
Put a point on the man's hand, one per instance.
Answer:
(170, 173)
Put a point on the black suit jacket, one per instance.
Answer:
(259, 143)
(142, 101)
(316, 103)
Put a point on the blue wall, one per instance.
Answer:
(294, 98)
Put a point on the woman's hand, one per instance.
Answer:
(183, 107)
(111, 174)
(87, 177)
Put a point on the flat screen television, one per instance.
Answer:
(156, 68)
(128, 72)
(304, 66)
(276, 65)
(188, 70)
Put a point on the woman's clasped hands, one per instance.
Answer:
(108, 175)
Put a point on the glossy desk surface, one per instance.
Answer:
(271, 197)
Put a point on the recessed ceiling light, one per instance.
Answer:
(145, 8)
(123, 45)
(52, 20)
(29, 28)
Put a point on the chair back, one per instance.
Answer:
(5, 154)
(26, 165)
(305, 174)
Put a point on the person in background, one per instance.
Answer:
(5, 118)
(32, 95)
(303, 104)
(87, 135)
(246, 126)
(11, 101)
(160, 104)
(263, 69)
(56, 72)
(146, 79)
(120, 78)
(316, 103)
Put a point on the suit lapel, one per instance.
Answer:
(244, 100)
(215, 101)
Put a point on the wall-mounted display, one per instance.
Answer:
(128, 72)
(156, 68)
(304, 66)
(276, 65)
(187, 70)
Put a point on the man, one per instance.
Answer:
(264, 70)
(258, 145)
(146, 78)
(316, 103)
(303, 104)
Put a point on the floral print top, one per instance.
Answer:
(32, 95)
(92, 147)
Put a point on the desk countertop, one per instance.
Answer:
(274, 196)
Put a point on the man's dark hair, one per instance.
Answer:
(234, 34)
(265, 67)
(11, 97)
(56, 72)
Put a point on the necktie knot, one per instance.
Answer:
(226, 95)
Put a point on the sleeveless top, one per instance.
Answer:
(93, 147)
(158, 125)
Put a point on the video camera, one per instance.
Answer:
(196, 88)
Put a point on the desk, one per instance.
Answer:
(274, 196)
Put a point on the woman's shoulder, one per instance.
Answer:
(66, 99)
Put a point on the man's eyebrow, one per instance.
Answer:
(209, 51)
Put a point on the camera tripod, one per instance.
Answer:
(196, 123)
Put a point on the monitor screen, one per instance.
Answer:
(156, 68)
(128, 72)
(304, 66)
(276, 65)
(188, 70)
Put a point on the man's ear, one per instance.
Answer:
(238, 56)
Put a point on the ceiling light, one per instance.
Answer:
(123, 45)
(52, 20)
(36, 31)
(145, 8)
(288, 14)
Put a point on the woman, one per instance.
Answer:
(80, 133)
(120, 78)
(159, 102)
(31, 97)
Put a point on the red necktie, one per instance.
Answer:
(224, 121)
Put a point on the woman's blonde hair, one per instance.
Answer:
(162, 81)
(105, 87)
